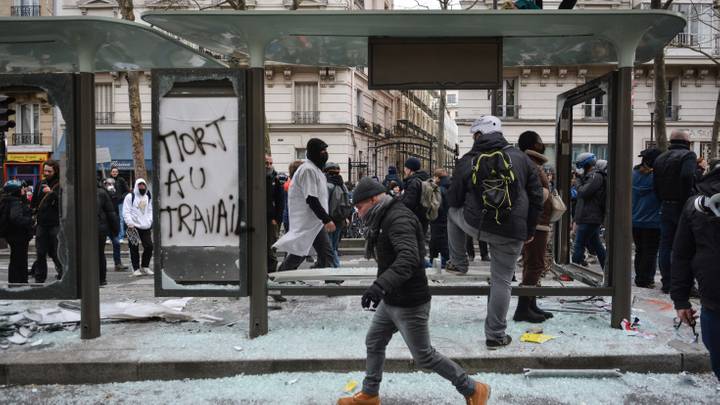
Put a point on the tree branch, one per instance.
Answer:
(421, 5)
(700, 51)
(472, 5)
(667, 4)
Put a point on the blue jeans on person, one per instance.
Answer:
(669, 217)
(710, 326)
(334, 242)
(588, 235)
(121, 235)
(116, 249)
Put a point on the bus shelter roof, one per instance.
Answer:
(339, 38)
(90, 44)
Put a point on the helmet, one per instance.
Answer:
(585, 159)
(13, 186)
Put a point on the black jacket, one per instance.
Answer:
(20, 218)
(674, 173)
(108, 220)
(441, 220)
(696, 251)
(400, 255)
(47, 207)
(275, 197)
(591, 193)
(413, 193)
(526, 191)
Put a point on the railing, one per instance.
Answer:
(103, 118)
(672, 112)
(377, 129)
(359, 4)
(388, 132)
(685, 39)
(361, 123)
(508, 111)
(306, 117)
(25, 11)
(27, 138)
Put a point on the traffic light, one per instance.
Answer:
(5, 113)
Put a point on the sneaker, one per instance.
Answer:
(147, 271)
(120, 267)
(136, 273)
(480, 396)
(485, 258)
(360, 398)
(450, 268)
(493, 344)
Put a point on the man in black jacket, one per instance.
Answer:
(590, 209)
(696, 256)
(400, 295)
(506, 237)
(18, 215)
(276, 205)
(110, 186)
(674, 176)
(108, 225)
(122, 189)
(46, 204)
(438, 227)
(412, 193)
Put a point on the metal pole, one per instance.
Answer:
(563, 140)
(652, 127)
(257, 208)
(83, 172)
(620, 182)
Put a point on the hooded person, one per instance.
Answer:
(308, 212)
(400, 296)
(392, 176)
(138, 216)
(412, 194)
(590, 210)
(16, 229)
(339, 206)
(645, 220)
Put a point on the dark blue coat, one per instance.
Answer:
(645, 204)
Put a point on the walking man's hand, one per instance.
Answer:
(687, 316)
(330, 227)
(373, 295)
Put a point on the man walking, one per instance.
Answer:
(138, 214)
(534, 252)
(276, 206)
(122, 189)
(310, 222)
(400, 295)
(339, 206)
(646, 220)
(476, 211)
(590, 209)
(674, 177)
(116, 200)
(46, 204)
(108, 227)
(412, 196)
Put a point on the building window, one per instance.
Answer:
(25, 8)
(672, 111)
(104, 113)
(359, 104)
(505, 98)
(374, 112)
(699, 31)
(27, 120)
(300, 153)
(306, 103)
(595, 108)
(452, 98)
(599, 149)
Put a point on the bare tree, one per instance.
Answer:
(661, 96)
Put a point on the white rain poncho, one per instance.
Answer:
(304, 224)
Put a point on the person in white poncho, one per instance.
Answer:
(308, 212)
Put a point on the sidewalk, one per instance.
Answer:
(327, 334)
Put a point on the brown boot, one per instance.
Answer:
(481, 395)
(360, 398)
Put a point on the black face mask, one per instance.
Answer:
(317, 152)
(542, 150)
(142, 191)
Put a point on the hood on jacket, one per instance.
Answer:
(392, 170)
(491, 141)
(537, 157)
(317, 152)
(709, 184)
(334, 178)
(420, 174)
(139, 181)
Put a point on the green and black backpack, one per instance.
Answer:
(492, 178)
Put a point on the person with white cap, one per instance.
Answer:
(590, 209)
(474, 211)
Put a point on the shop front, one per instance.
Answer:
(25, 166)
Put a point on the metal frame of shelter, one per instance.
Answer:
(530, 38)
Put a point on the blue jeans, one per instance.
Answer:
(334, 242)
(710, 325)
(588, 235)
(669, 217)
(121, 235)
(116, 249)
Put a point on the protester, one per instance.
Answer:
(122, 189)
(438, 227)
(310, 222)
(292, 168)
(394, 189)
(108, 227)
(275, 207)
(534, 252)
(109, 185)
(701, 169)
(646, 220)
(476, 209)
(412, 193)
(590, 210)
(138, 214)
(46, 205)
(674, 178)
(339, 206)
(392, 176)
(696, 256)
(400, 295)
(16, 228)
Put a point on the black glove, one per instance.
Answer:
(373, 295)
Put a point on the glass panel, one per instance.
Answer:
(600, 150)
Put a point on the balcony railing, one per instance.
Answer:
(672, 112)
(104, 118)
(361, 123)
(710, 42)
(27, 138)
(377, 129)
(306, 117)
(508, 111)
(25, 11)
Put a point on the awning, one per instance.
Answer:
(119, 141)
(90, 44)
(339, 38)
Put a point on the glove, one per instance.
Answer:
(373, 295)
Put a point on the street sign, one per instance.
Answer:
(102, 155)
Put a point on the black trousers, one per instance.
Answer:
(323, 249)
(439, 241)
(146, 240)
(46, 243)
(647, 242)
(18, 268)
(272, 237)
(101, 257)
(471, 248)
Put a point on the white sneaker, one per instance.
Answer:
(136, 273)
(147, 271)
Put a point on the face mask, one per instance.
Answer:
(142, 191)
(110, 188)
(580, 171)
(542, 151)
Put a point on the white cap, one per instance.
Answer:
(486, 124)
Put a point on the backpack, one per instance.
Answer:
(492, 177)
(340, 207)
(5, 226)
(430, 199)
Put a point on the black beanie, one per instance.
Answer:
(413, 164)
(315, 147)
(366, 188)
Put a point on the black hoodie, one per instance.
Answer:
(696, 251)
(413, 193)
(527, 204)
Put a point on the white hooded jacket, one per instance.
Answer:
(138, 213)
